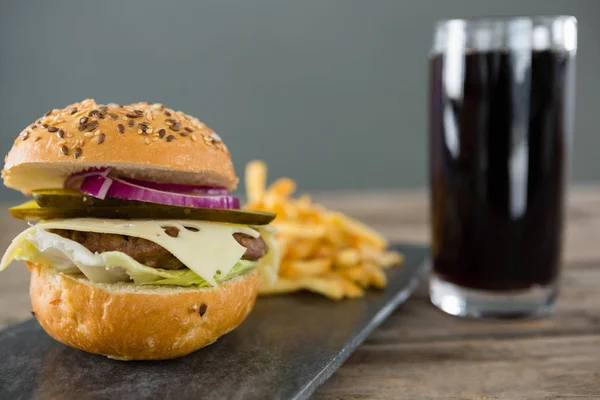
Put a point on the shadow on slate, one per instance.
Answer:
(287, 347)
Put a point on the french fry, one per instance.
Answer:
(390, 258)
(332, 288)
(355, 228)
(325, 250)
(334, 235)
(300, 269)
(301, 249)
(368, 252)
(351, 289)
(284, 247)
(376, 276)
(347, 258)
(321, 251)
(281, 286)
(256, 180)
(356, 274)
(282, 187)
(296, 230)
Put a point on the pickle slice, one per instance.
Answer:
(70, 198)
(31, 211)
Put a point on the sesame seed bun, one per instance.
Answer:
(140, 140)
(130, 322)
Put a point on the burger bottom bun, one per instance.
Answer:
(132, 322)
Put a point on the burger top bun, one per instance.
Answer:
(140, 140)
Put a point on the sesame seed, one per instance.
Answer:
(69, 135)
(65, 150)
(162, 132)
(44, 126)
(78, 152)
(131, 115)
(37, 138)
(113, 116)
(156, 106)
(139, 113)
(33, 126)
(190, 130)
(216, 137)
(131, 123)
(168, 114)
(91, 126)
(140, 131)
(149, 130)
(170, 138)
(184, 133)
(121, 128)
(60, 133)
(94, 113)
(147, 141)
(104, 109)
(48, 113)
(175, 127)
(88, 134)
(155, 139)
(97, 133)
(203, 309)
(193, 137)
(61, 142)
(101, 138)
(73, 110)
(170, 121)
(52, 129)
(83, 121)
(25, 136)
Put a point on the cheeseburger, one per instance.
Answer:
(139, 251)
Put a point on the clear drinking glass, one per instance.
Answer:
(501, 122)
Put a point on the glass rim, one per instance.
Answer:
(474, 21)
(538, 33)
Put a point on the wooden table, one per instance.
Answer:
(421, 353)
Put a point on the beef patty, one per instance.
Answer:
(149, 253)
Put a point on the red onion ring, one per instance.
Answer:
(101, 186)
(73, 181)
(179, 188)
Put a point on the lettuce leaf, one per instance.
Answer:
(143, 275)
(187, 277)
(67, 256)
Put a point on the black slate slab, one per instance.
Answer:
(286, 348)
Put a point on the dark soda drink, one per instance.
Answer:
(499, 144)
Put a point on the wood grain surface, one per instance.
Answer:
(421, 353)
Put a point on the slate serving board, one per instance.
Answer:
(287, 347)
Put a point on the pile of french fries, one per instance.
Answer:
(321, 251)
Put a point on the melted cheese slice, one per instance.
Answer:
(210, 249)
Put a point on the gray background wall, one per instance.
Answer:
(329, 92)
